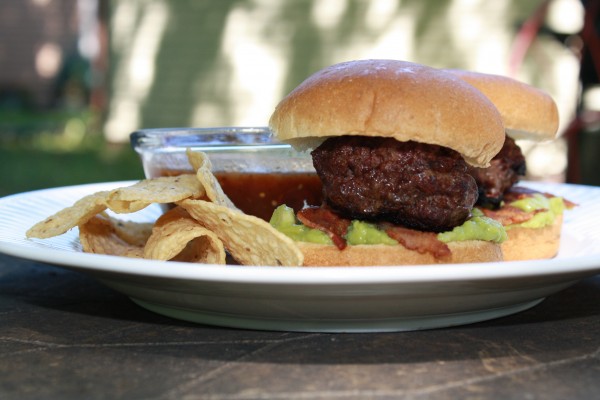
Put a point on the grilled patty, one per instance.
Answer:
(504, 171)
(420, 186)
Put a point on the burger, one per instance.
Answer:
(392, 143)
(533, 220)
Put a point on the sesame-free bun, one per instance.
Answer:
(391, 98)
(470, 251)
(527, 112)
(533, 243)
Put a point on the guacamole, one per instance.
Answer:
(478, 227)
(553, 206)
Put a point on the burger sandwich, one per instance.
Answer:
(533, 220)
(392, 143)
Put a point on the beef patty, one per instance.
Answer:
(416, 185)
(504, 171)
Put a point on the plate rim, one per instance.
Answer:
(586, 265)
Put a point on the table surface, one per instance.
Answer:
(65, 336)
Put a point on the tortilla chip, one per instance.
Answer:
(178, 237)
(166, 189)
(135, 233)
(200, 231)
(203, 168)
(79, 213)
(98, 235)
(250, 240)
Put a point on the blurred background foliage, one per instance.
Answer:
(53, 99)
(78, 77)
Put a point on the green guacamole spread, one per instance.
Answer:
(553, 207)
(284, 220)
(478, 227)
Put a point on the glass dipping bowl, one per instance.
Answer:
(255, 170)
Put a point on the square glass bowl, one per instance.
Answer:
(255, 170)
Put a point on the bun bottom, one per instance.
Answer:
(533, 243)
(471, 251)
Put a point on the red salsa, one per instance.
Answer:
(258, 193)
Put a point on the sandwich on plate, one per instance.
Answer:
(392, 143)
(533, 220)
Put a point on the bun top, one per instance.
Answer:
(391, 98)
(527, 112)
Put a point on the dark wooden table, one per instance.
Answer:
(65, 336)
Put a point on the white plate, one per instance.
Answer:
(351, 299)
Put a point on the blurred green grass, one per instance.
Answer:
(50, 152)
(25, 169)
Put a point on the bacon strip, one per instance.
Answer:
(518, 192)
(422, 242)
(336, 228)
(326, 221)
(569, 204)
(509, 215)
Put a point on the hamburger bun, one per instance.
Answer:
(533, 243)
(527, 112)
(471, 251)
(391, 98)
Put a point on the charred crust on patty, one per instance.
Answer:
(505, 170)
(417, 185)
